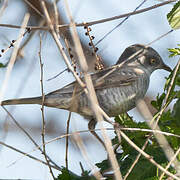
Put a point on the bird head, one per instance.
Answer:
(141, 55)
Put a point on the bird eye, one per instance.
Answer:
(152, 61)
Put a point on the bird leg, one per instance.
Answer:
(91, 126)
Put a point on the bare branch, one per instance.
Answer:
(42, 111)
(13, 57)
(27, 155)
(98, 21)
(92, 95)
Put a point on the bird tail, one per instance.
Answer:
(34, 100)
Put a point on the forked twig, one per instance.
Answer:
(27, 155)
(170, 162)
(137, 158)
(60, 47)
(160, 138)
(42, 110)
(34, 8)
(147, 156)
(29, 136)
(112, 129)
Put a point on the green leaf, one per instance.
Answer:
(176, 109)
(174, 16)
(66, 175)
(3, 65)
(174, 51)
(159, 100)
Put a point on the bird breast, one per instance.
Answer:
(116, 100)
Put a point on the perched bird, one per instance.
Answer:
(118, 88)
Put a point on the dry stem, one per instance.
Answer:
(13, 57)
(42, 111)
(92, 96)
(95, 22)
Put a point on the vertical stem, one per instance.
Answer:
(42, 111)
(92, 96)
(67, 140)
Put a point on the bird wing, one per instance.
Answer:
(101, 80)
(115, 79)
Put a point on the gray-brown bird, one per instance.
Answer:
(118, 88)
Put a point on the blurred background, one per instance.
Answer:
(25, 77)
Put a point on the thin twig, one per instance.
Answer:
(127, 17)
(143, 109)
(29, 136)
(72, 106)
(160, 138)
(92, 95)
(127, 14)
(13, 57)
(158, 38)
(95, 22)
(137, 158)
(108, 129)
(172, 81)
(33, 28)
(42, 111)
(27, 155)
(60, 47)
(112, 129)
(56, 17)
(147, 156)
(170, 162)
(67, 140)
(18, 124)
(13, 43)
(34, 8)
(165, 101)
(167, 95)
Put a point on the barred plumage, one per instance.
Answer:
(118, 88)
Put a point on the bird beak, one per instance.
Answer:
(167, 68)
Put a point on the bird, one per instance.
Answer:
(118, 88)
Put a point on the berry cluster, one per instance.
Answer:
(13, 42)
(99, 63)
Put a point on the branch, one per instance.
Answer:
(147, 156)
(27, 155)
(92, 96)
(95, 22)
(13, 57)
(42, 111)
